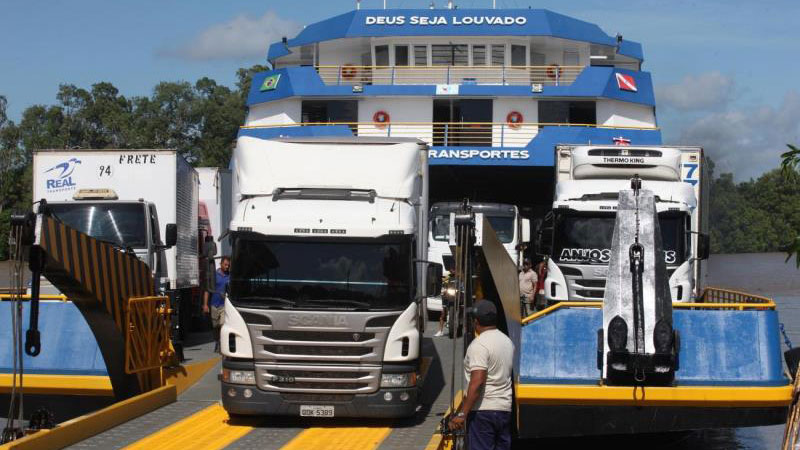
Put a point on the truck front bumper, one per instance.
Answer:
(377, 404)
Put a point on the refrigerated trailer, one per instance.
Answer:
(576, 233)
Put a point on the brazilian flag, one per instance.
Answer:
(270, 83)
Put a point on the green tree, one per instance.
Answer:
(789, 170)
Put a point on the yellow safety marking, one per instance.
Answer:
(688, 396)
(60, 384)
(83, 427)
(61, 297)
(206, 429)
(339, 438)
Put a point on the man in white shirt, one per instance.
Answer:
(487, 369)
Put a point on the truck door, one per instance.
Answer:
(155, 256)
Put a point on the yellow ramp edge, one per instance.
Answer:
(339, 438)
(684, 396)
(86, 385)
(84, 427)
(184, 377)
(206, 429)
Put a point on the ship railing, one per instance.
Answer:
(719, 295)
(552, 75)
(451, 134)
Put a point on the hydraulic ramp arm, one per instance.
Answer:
(113, 290)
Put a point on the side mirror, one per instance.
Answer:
(209, 247)
(703, 246)
(211, 277)
(526, 231)
(171, 237)
(434, 280)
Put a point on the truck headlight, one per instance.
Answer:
(238, 376)
(398, 380)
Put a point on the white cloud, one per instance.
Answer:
(747, 141)
(710, 91)
(239, 38)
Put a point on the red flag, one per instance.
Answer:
(626, 82)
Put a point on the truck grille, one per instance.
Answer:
(317, 351)
(326, 379)
(282, 335)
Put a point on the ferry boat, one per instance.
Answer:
(491, 91)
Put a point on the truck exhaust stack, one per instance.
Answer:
(638, 343)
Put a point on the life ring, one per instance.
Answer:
(349, 71)
(381, 119)
(552, 69)
(514, 120)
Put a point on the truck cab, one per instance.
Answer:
(511, 228)
(576, 234)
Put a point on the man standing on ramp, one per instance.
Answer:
(487, 370)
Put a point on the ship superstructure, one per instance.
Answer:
(490, 90)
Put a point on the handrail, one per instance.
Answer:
(521, 124)
(719, 295)
(349, 74)
(61, 297)
(765, 304)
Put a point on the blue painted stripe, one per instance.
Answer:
(537, 22)
(593, 82)
(718, 348)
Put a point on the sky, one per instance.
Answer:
(725, 72)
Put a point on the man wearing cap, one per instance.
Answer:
(487, 369)
(527, 286)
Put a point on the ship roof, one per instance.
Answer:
(537, 22)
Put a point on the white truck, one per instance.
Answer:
(325, 310)
(215, 194)
(141, 200)
(512, 229)
(576, 234)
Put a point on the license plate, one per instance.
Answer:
(316, 411)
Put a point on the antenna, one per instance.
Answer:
(358, 4)
(494, 4)
(432, 5)
(384, 4)
(449, 4)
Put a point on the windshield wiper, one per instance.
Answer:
(262, 298)
(333, 301)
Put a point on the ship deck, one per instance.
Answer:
(197, 420)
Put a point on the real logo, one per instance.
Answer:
(62, 176)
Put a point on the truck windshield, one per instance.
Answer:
(586, 239)
(122, 224)
(353, 274)
(503, 227)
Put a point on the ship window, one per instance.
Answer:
(498, 55)
(400, 55)
(478, 55)
(518, 55)
(571, 58)
(449, 55)
(381, 55)
(537, 59)
(420, 55)
(568, 112)
(327, 111)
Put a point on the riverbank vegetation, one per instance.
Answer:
(201, 121)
